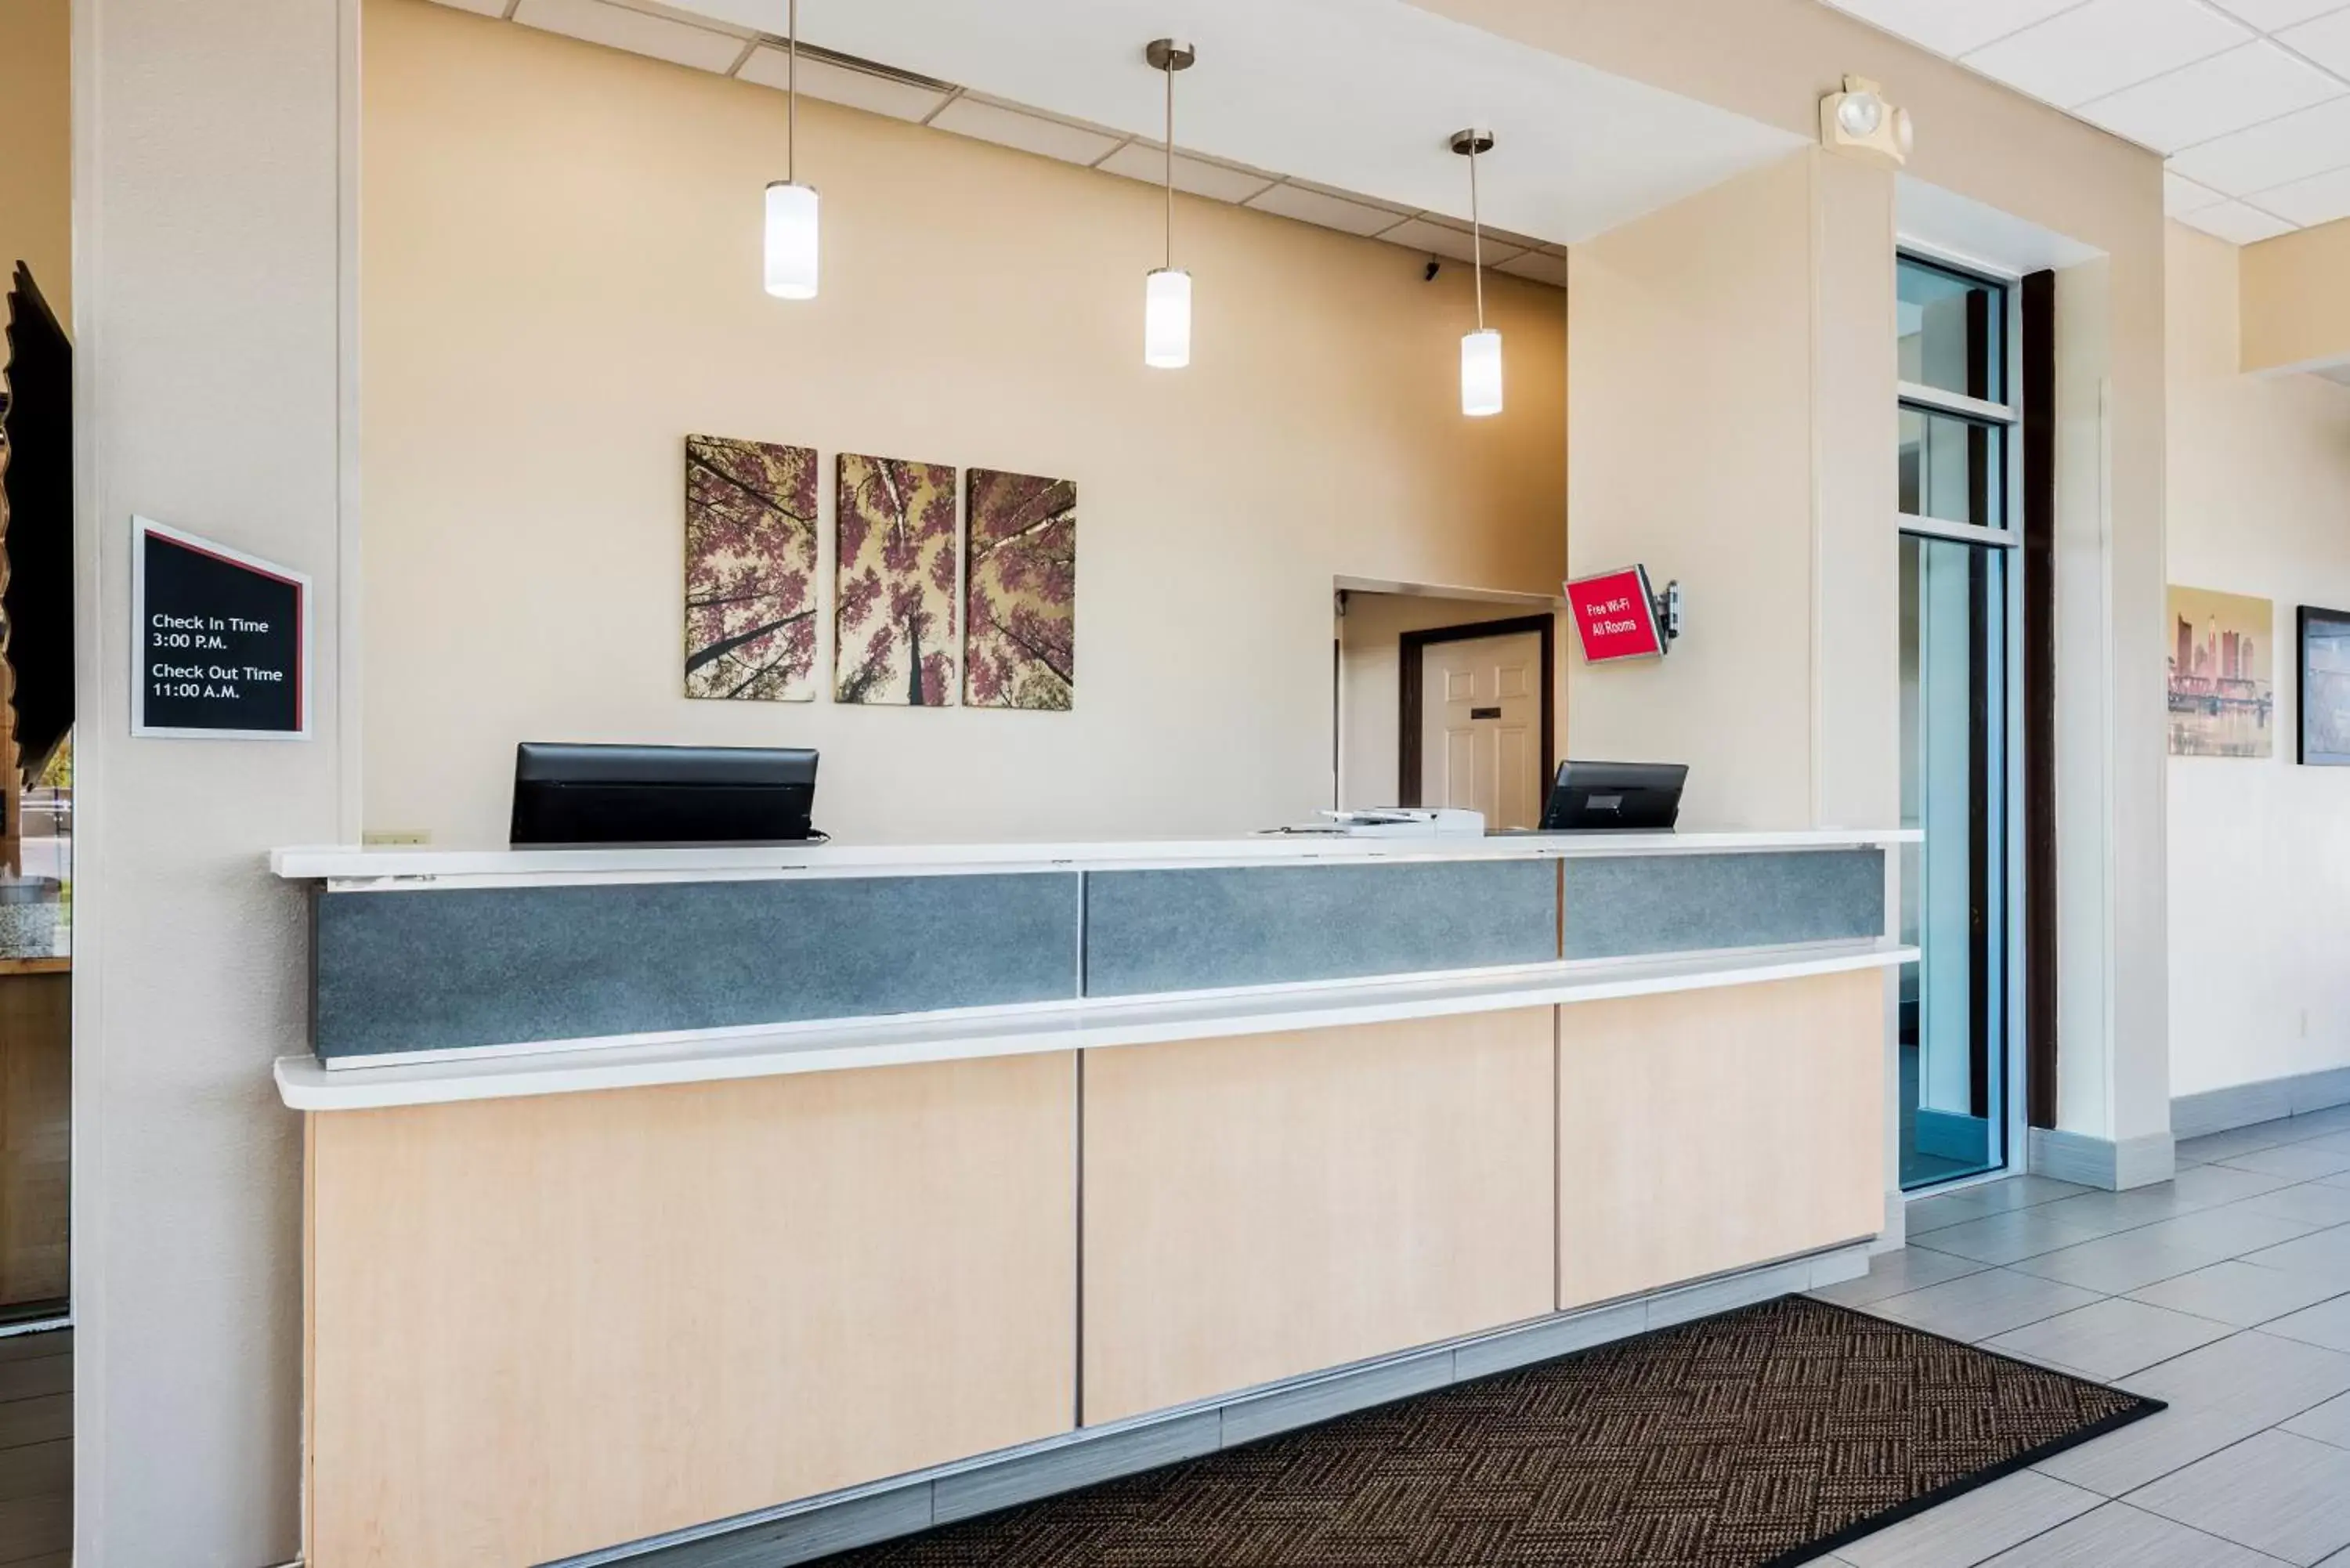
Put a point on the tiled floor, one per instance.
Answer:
(36, 1450)
(2225, 1292)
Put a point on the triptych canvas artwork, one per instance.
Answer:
(902, 570)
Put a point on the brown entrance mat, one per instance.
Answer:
(1765, 1435)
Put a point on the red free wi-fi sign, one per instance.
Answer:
(1616, 615)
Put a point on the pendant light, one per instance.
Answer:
(1167, 292)
(1481, 351)
(791, 206)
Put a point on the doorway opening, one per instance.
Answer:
(1446, 700)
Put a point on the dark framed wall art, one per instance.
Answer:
(2324, 646)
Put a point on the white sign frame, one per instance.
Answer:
(141, 528)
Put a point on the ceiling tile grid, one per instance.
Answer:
(2248, 101)
(648, 28)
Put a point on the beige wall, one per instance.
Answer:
(1773, 60)
(2260, 851)
(1370, 681)
(2295, 293)
(560, 282)
(35, 155)
(1732, 397)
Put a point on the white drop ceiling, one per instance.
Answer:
(1331, 112)
(2247, 100)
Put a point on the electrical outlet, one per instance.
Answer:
(391, 837)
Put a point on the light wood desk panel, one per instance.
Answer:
(1708, 1130)
(543, 1325)
(1264, 1207)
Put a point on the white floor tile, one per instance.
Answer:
(2328, 1423)
(1980, 1306)
(2327, 1324)
(2301, 1162)
(2120, 1536)
(2112, 1338)
(2253, 1374)
(2324, 1255)
(2009, 1237)
(2313, 1202)
(1972, 1527)
(2238, 1293)
(2284, 1495)
(1896, 1273)
(2133, 1259)
(2148, 1449)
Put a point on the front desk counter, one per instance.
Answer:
(832, 1192)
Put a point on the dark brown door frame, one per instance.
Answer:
(2039, 392)
(1415, 643)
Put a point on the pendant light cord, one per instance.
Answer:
(1171, 159)
(792, 99)
(1476, 232)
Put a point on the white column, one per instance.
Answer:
(211, 308)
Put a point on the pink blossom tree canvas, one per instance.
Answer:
(750, 570)
(895, 582)
(1019, 607)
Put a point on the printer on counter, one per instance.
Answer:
(1394, 822)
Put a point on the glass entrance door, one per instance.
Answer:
(1954, 885)
(1957, 722)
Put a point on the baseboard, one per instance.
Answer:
(813, 1527)
(2115, 1166)
(2272, 1099)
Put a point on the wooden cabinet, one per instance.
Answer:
(1703, 1131)
(1264, 1207)
(543, 1325)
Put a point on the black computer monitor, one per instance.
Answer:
(661, 794)
(1614, 797)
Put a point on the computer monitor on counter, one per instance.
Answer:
(1614, 797)
(661, 794)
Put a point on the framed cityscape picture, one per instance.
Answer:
(2222, 674)
(2325, 642)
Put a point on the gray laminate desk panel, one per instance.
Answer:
(1153, 931)
(430, 970)
(1636, 905)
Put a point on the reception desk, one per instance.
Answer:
(789, 1198)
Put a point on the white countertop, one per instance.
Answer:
(347, 868)
(508, 1071)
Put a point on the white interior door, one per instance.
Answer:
(1481, 727)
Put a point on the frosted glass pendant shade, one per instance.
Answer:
(791, 240)
(1167, 320)
(1481, 372)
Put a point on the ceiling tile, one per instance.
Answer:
(2106, 46)
(1219, 181)
(2270, 14)
(2180, 196)
(2321, 199)
(2236, 222)
(1325, 210)
(1953, 26)
(478, 7)
(1439, 238)
(1539, 266)
(840, 84)
(2291, 148)
(2212, 97)
(618, 27)
(1029, 132)
(2325, 40)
